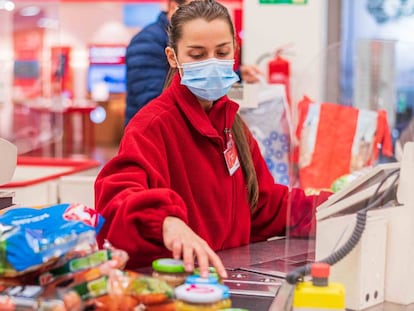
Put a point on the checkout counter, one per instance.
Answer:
(377, 272)
(256, 272)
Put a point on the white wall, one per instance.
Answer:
(268, 27)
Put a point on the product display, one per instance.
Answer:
(196, 279)
(170, 270)
(205, 297)
(33, 239)
(31, 298)
(126, 290)
(211, 273)
(50, 261)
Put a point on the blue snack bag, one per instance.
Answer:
(30, 236)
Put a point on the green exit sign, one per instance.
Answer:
(283, 1)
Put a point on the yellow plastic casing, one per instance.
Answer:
(330, 297)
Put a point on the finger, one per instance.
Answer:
(188, 258)
(218, 264)
(177, 248)
(203, 261)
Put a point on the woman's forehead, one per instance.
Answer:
(201, 30)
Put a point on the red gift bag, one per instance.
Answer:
(335, 140)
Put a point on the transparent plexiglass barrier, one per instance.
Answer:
(353, 115)
(31, 72)
(339, 140)
(356, 96)
(373, 81)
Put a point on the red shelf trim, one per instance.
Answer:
(76, 166)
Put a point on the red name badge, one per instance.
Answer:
(230, 155)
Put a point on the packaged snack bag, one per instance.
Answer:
(32, 237)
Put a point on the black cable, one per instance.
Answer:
(382, 183)
(296, 275)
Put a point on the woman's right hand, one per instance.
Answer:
(182, 241)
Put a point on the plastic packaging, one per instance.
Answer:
(31, 237)
(270, 124)
(104, 259)
(206, 297)
(212, 272)
(127, 289)
(170, 270)
(196, 279)
(34, 298)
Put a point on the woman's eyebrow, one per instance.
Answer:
(195, 46)
(223, 44)
(203, 47)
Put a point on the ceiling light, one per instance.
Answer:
(30, 11)
(7, 5)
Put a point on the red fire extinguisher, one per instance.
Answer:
(279, 72)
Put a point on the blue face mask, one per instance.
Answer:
(209, 79)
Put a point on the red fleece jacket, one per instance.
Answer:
(171, 163)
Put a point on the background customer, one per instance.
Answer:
(147, 65)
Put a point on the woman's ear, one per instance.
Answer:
(169, 52)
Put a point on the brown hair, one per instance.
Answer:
(210, 10)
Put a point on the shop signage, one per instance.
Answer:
(283, 1)
(107, 54)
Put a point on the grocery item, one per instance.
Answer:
(170, 270)
(34, 298)
(206, 297)
(31, 237)
(212, 272)
(127, 289)
(104, 259)
(196, 279)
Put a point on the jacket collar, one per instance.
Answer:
(209, 123)
(163, 20)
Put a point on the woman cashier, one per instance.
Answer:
(189, 178)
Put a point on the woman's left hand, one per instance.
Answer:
(184, 243)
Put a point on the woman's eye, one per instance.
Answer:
(198, 56)
(222, 54)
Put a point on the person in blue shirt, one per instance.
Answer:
(147, 65)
